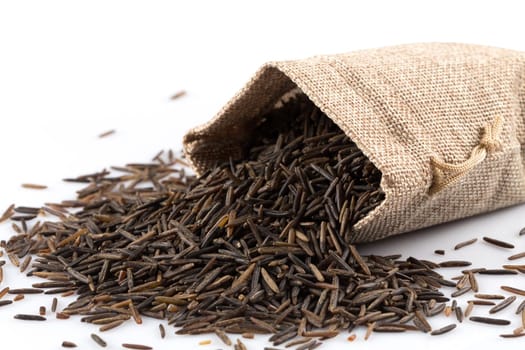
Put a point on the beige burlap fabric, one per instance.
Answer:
(444, 123)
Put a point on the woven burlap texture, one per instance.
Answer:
(402, 105)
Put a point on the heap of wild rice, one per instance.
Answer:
(252, 246)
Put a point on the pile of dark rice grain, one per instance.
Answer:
(252, 246)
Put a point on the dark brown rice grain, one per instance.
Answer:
(68, 344)
(26, 317)
(488, 320)
(502, 305)
(136, 346)
(444, 329)
(498, 243)
(97, 339)
(465, 243)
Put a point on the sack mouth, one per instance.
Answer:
(214, 143)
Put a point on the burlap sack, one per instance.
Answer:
(444, 123)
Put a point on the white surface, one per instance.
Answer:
(70, 70)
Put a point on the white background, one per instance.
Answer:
(70, 70)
